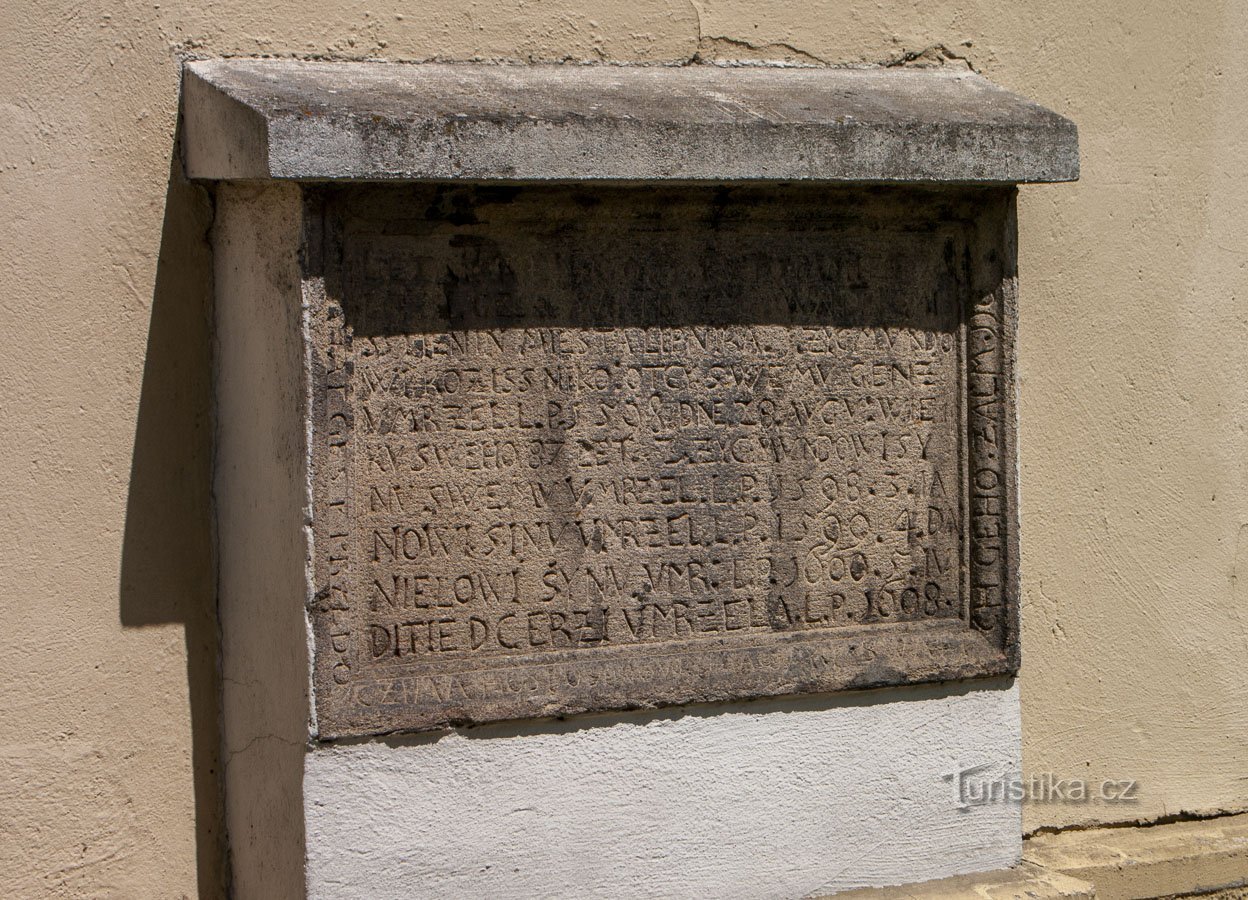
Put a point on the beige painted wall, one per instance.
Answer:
(1134, 344)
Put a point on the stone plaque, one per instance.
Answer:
(581, 449)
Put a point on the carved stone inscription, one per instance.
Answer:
(619, 449)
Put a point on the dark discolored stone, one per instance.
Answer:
(586, 448)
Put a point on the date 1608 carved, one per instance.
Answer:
(581, 450)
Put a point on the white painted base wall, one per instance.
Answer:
(771, 799)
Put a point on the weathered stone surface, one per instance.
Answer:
(260, 119)
(580, 450)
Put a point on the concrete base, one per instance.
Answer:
(1182, 858)
(771, 799)
(1202, 858)
(1023, 882)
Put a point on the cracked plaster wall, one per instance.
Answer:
(1133, 345)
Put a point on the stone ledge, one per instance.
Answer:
(1152, 861)
(316, 121)
(1023, 882)
(1205, 858)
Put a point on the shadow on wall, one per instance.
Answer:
(167, 569)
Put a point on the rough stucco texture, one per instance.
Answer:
(780, 799)
(1133, 345)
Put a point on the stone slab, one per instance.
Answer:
(582, 450)
(261, 119)
(1022, 882)
(1180, 858)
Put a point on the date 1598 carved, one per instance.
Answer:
(580, 450)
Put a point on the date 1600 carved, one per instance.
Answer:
(581, 450)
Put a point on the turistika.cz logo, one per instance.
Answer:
(976, 787)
